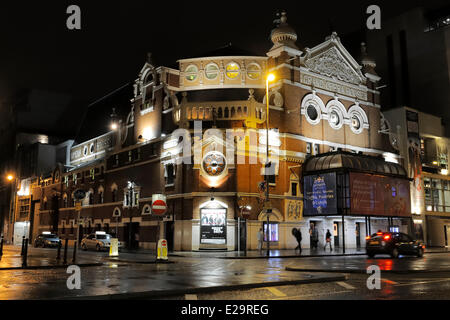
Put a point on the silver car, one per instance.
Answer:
(99, 241)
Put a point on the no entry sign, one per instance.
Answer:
(159, 205)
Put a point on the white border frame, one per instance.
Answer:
(315, 101)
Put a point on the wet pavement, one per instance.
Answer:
(125, 280)
(431, 262)
(198, 272)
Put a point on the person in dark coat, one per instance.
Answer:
(298, 236)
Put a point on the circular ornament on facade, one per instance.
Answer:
(254, 71)
(232, 70)
(85, 150)
(191, 72)
(91, 148)
(211, 71)
(214, 163)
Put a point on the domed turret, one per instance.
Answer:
(283, 34)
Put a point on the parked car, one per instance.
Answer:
(47, 239)
(393, 243)
(99, 241)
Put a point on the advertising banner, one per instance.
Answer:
(415, 163)
(379, 195)
(213, 226)
(320, 194)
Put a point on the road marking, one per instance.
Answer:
(389, 281)
(345, 285)
(190, 297)
(276, 292)
(421, 282)
(309, 295)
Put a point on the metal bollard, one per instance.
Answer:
(23, 245)
(58, 255)
(25, 254)
(74, 258)
(65, 251)
(1, 246)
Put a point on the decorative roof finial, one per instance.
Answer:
(283, 34)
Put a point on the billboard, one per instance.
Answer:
(213, 226)
(377, 195)
(320, 194)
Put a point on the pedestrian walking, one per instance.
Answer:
(298, 236)
(313, 236)
(260, 237)
(328, 240)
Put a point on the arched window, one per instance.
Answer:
(44, 204)
(100, 192)
(312, 108)
(336, 114)
(226, 113)
(65, 200)
(114, 192)
(358, 119)
(233, 112)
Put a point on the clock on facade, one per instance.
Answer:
(214, 163)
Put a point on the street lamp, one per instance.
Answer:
(270, 78)
(12, 203)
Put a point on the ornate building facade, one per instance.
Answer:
(196, 134)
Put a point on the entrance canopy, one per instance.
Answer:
(347, 161)
(343, 183)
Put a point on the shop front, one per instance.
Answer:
(354, 195)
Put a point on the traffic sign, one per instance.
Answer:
(159, 205)
(79, 194)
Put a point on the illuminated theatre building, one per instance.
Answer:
(327, 147)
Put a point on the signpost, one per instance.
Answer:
(159, 208)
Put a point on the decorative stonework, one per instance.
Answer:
(330, 86)
(330, 63)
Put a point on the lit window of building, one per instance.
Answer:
(232, 70)
(211, 71)
(191, 72)
(254, 71)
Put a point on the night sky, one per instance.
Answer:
(39, 52)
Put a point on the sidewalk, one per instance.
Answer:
(12, 259)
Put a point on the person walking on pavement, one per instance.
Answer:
(298, 236)
(328, 240)
(260, 237)
(314, 236)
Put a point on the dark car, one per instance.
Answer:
(393, 243)
(47, 240)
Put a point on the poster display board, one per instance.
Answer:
(320, 194)
(213, 226)
(379, 195)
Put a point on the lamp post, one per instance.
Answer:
(270, 78)
(12, 204)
